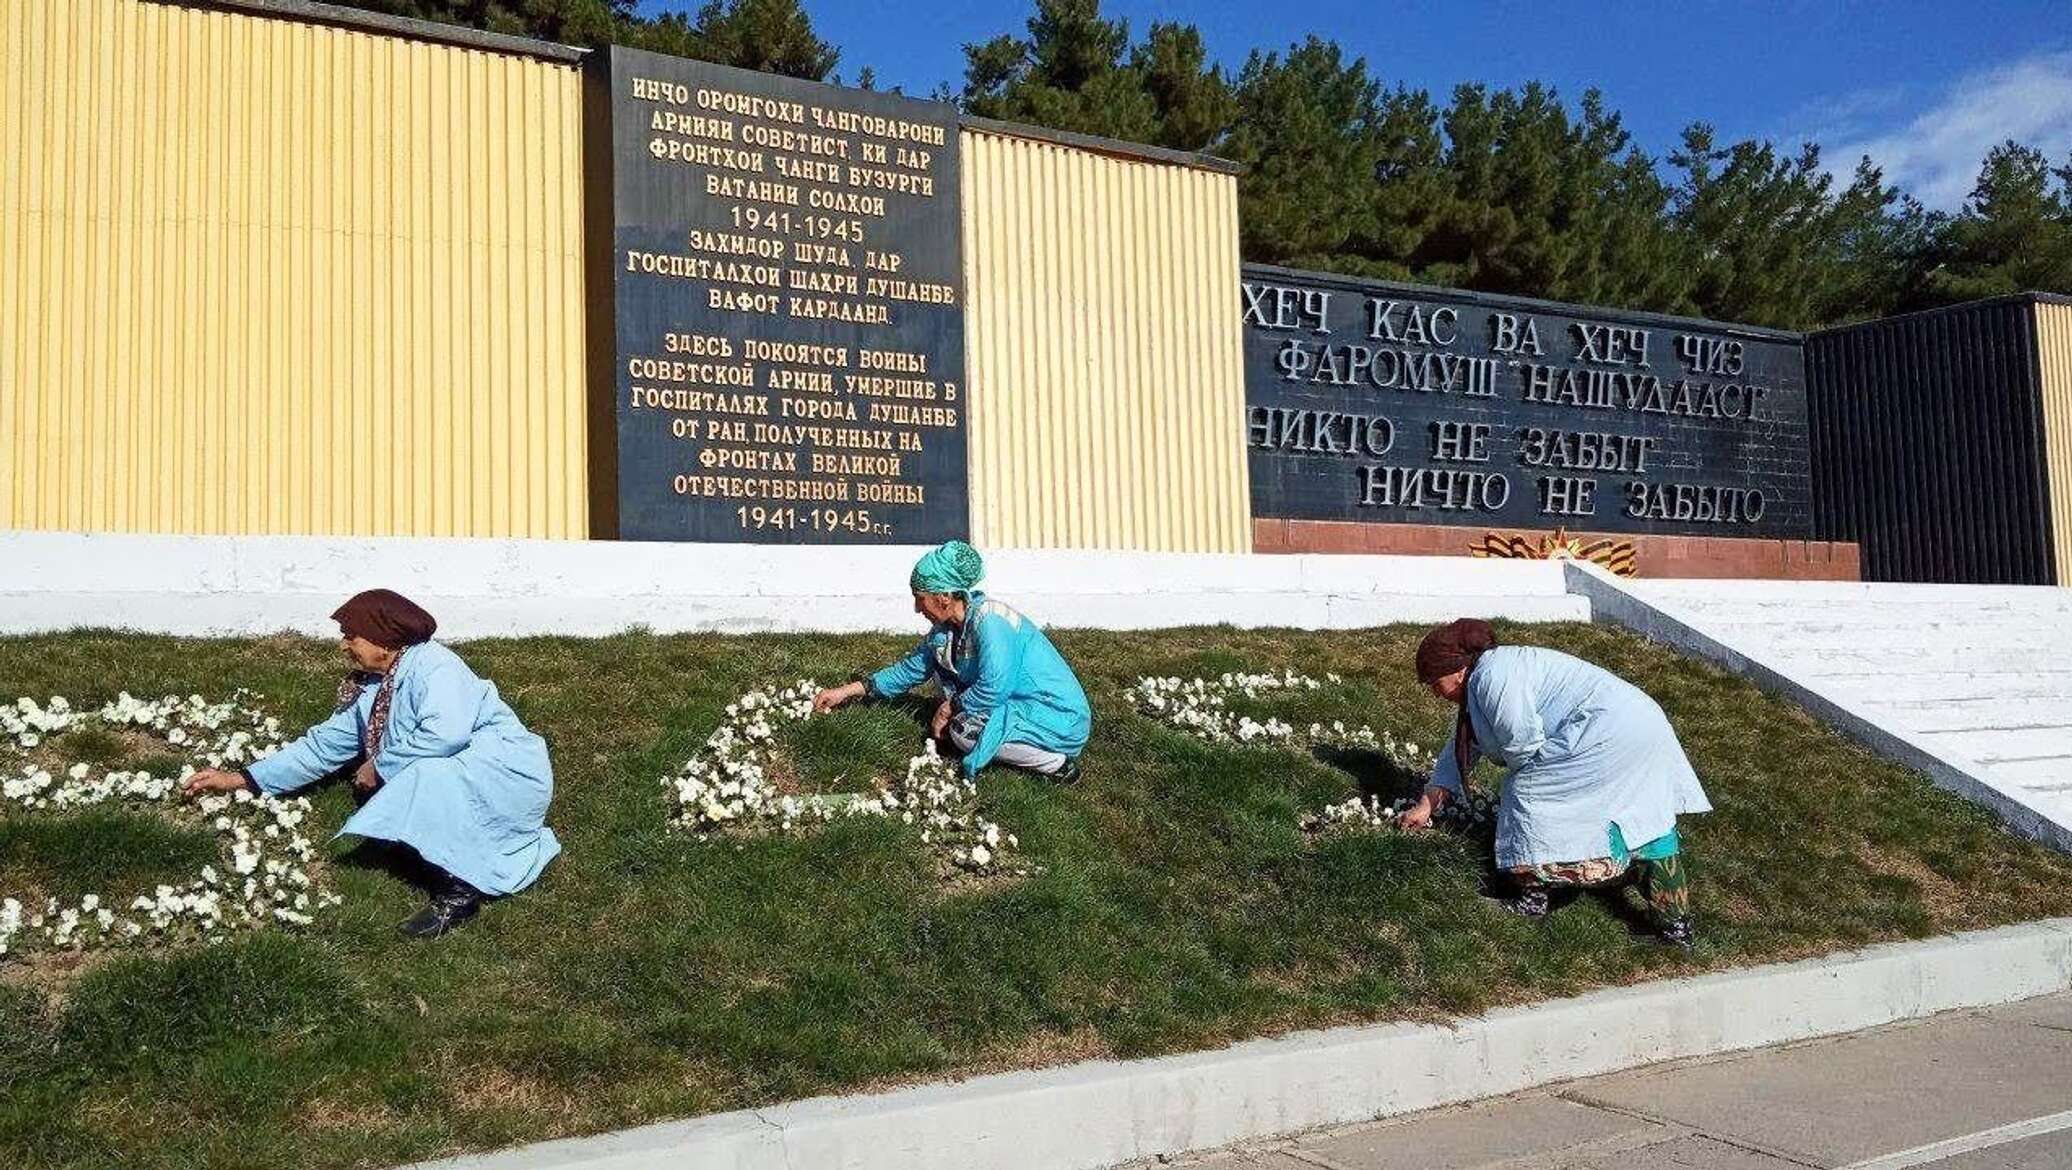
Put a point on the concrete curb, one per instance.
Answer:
(1085, 1116)
(1609, 602)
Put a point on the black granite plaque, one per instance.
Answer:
(1368, 401)
(789, 309)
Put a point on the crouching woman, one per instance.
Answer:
(1597, 776)
(1007, 694)
(445, 767)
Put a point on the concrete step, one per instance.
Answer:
(1924, 656)
(1991, 745)
(2036, 773)
(1971, 684)
(1857, 592)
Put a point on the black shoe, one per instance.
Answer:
(453, 903)
(1068, 772)
(1677, 933)
(1526, 903)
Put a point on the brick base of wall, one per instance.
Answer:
(1655, 556)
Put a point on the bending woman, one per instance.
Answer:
(445, 766)
(1594, 766)
(1007, 693)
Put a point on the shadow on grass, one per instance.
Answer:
(1380, 778)
(1372, 772)
(400, 862)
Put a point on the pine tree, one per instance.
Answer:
(774, 36)
(1192, 100)
(569, 22)
(2013, 235)
(1077, 71)
(1880, 240)
(771, 36)
(1068, 74)
(1758, 223)
(1309, 132)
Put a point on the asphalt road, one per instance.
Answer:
(1978, 1090)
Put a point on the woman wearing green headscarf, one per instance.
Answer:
(1007, 693)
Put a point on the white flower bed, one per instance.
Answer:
(1201, 708)
(262, 878)
(728, 785)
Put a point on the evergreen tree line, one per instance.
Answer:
(1502, 190)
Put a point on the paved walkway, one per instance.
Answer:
(1984, 1090)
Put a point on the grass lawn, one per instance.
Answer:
(649, 975)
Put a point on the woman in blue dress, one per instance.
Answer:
(1597, 776)
(445, 768)
(1007, 694)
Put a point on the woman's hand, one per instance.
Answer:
(833, 697)
(1419, 815)
(212, 780)
(365, 778)
(940, 722)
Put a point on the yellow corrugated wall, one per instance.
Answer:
(1103, 351)
(2054, 352)
(263, 276)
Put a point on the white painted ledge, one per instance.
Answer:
(1103, 1113)
(222, 585)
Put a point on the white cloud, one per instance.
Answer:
(1935, 157)
(1857, 114)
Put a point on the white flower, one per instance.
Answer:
(728, 787)
(250, 830)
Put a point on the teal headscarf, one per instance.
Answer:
(953, 568)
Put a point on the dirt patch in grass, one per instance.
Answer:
(1176, 904)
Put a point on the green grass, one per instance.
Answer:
(114, 852)
(1176, 907)
(845, 754)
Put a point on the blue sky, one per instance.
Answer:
(1923, 87)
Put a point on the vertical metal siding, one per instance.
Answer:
(1106, 388)
(261, 276)
(1928, 440)
(2054, 367)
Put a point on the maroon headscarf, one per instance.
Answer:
(386, 618)
(1457, 645)
(389, 620)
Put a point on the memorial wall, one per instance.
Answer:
(789, 308)
(1942, 441)
(371, 276)
(1388, 403)
(266, 275)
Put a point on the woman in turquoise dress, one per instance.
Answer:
(445, 767)
(1007, 694)
(1597, 776)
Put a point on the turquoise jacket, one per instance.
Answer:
(998, 665)
(463, 782)
(1594, 763)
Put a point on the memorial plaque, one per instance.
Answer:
(1396, 403)
(789, 309)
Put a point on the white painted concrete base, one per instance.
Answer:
(222, 585)
(1104, 1113)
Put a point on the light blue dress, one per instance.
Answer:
(1001, 667)
(463, 782)
(1587, 750)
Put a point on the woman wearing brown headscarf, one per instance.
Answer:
(1594, 766)
(445, 767)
